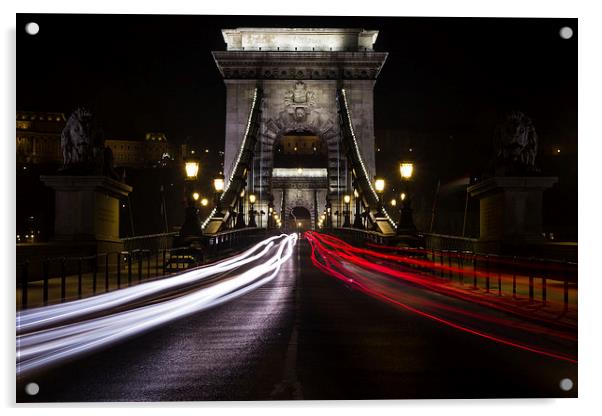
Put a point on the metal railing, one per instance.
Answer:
(526, 278)
(69, 278)
(233, 239)
(58, 279)
(360, 236)
(448, 242)
(150, 242)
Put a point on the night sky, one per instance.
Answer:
(446, 82)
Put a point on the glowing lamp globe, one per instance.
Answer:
(192, 168)
(406, 170)
(218, 184)
(379, 185)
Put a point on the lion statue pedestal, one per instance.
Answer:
(510, 210)
(87, 209)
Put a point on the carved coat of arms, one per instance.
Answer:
(299, 101)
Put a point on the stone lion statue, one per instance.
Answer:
(515, 144)
(78, 141)
(83, 148)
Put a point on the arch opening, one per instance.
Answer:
(300, 150)
(299, 219)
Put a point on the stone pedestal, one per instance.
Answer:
(510, 211)
(87, 209)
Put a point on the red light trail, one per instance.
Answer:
(391, 279)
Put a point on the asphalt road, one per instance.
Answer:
(302, 336)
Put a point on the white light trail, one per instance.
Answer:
(34, 319)
(59, 342)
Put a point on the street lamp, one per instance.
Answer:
(270, 214)
(328, 214)
(240, 219)
(261, 214)
(204, 202)
(357, 220)
(191, 166)
(406, 222)
(406, 169)
(379, 185)
(218, 185)
(252, 200)
(347, 212)
(191, 226)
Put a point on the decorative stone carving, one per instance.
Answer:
(299, 102)
(301, 113)
(515, 143)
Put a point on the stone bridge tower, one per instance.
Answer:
(298, 160)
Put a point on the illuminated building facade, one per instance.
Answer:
(39, 137)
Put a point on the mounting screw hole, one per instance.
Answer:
(566, 32)
(32, 389)
(566, 384)
(32, 28)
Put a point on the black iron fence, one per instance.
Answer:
(233, 239)
(448, 242)
(528, 278)
(361, 236)
(69, 278)
(42, 281)
(150, 242)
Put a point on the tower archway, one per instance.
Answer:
(299, 90)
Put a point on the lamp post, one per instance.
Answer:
(203, 202)
(261, 214)
(240, 219)
(328, 214)
(357, 220)
(252, 200)
(218, 186)
(191, 226)
(347, 212)
(379, 185)
(406, 222)
(270, 214)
